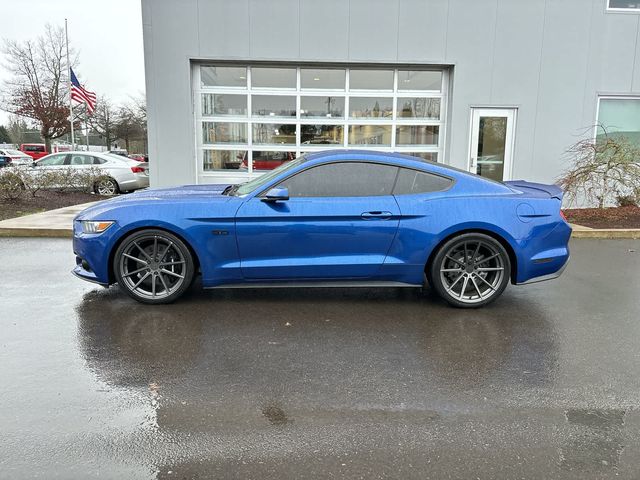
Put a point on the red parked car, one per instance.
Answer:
(266, 160)
(140, 157)
(34, 150)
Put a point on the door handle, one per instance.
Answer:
(376, 214)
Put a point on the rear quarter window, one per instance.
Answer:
(414, 181)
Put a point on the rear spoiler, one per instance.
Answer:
(553, 191)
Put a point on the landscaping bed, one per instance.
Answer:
(614, 217)
(45, 200)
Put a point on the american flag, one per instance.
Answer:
(80, 95)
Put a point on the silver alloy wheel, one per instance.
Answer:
(107, 187)
(152, 267)
(472, 271)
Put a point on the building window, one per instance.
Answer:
(619, 117)
(254, 118)
(623, 5)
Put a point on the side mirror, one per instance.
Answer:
(275, 194)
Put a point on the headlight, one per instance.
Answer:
(95, 226)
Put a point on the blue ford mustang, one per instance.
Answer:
(337, 218)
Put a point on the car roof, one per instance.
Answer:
(393, 157)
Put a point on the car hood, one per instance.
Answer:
(182, 190)
(154, 196)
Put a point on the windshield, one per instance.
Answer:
(249, 187)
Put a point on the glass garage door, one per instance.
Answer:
(254, 118)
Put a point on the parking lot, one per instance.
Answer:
(315, 383)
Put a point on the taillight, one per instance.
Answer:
(564, 217)
(137, 169)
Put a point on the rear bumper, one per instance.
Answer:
(544, 257)
(135, 182)
(549, 276)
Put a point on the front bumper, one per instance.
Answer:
(92, 254)
(80, 272)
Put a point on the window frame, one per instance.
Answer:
(596, 123)
(395, 95)
(610, 9)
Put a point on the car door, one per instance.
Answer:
(338, 223)
(50, 164)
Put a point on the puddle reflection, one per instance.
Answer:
(595, 442)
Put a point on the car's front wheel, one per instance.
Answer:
(470, 270)
(153, 266)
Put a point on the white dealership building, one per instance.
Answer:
(498, 87)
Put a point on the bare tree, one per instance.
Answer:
(5, 137)
(17, 129)
(104, 120)
(38, 87)
(132, 122)
(603, 170)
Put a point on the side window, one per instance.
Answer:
(413, 181)
(81, 160)
(348, 179)
(52, 160)
(98, 161)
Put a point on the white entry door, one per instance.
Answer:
(492, 135)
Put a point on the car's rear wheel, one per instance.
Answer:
(470, 270)
(153, 266)
(106, 187)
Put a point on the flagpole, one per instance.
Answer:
(66, 34)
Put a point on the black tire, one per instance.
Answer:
(153, 266)
(470, 270)
(106, 187)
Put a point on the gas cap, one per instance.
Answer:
(525, 212)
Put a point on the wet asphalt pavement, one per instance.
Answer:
(544, 383)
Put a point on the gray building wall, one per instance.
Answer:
(549, 58)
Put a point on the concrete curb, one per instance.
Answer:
(631, 233)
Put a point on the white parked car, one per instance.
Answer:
(122, 174)
(18, 158)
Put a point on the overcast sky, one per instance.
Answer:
(106, 34)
